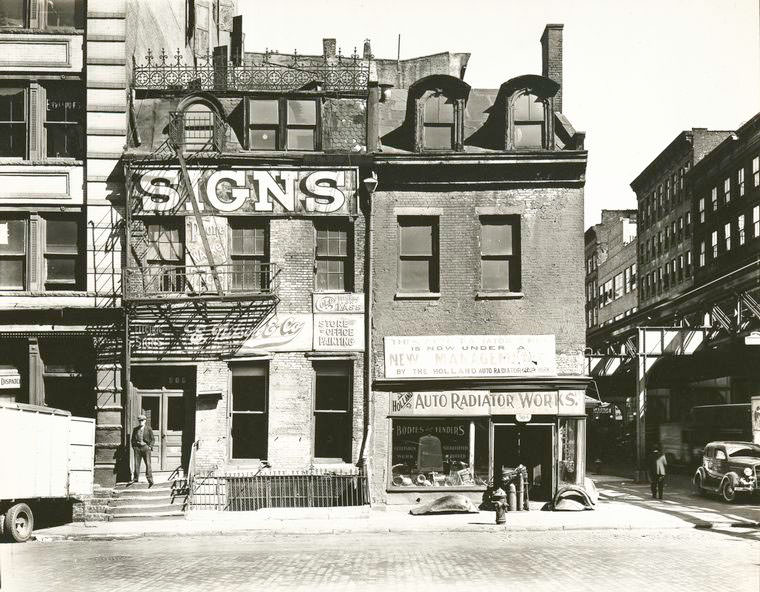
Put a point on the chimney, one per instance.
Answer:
(236, 40)
(328, 48)
(367, 53)
(551, 59)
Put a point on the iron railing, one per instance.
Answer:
(166, 280)
(341, 75)
(316, 488)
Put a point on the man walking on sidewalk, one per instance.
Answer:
(142, 444)
(657, 471)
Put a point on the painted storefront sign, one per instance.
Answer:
(484, 403)
(251, 191)
(347, 303)
(469, 356)
(338, 332)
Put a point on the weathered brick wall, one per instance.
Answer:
(211, 414)
(344, 125)
(552, 252)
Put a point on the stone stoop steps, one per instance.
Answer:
(166, 500)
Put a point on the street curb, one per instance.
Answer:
(488, 528)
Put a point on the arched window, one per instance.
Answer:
(529, 121)
(438, 122)
(198, 127)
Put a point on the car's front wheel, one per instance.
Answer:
(728, 491)
(697, 481)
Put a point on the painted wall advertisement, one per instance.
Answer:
(485, 403)
(469, 356)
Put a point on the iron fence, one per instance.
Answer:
(240, 492)
(341, 75)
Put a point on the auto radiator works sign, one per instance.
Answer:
(469, 356)
(250, 191)
(485, 403)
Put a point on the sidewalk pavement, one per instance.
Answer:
(609, 514)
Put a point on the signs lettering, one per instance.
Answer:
(338, 332)
(464, 356)
(251, 191)
(485, 403)
(339, 303)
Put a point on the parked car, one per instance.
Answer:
(729, 468)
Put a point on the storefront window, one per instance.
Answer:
(439, 453)
(571, 459)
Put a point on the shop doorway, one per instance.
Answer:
(531, 445)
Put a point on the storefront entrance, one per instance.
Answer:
(529, 444)
(165, 411)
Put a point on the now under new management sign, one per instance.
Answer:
(469, 356)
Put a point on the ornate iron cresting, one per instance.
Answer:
(339, 75)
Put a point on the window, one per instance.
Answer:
(659, 243)
(63, 121)
(438, 123)
(666, 279)
(659, 280)
(701, 210)
(673, 271)
(688, 263)
(756, 221)
(31, 14)
(626, 280)
(67, 375)
(62, 258)
(602, 300)
(756, 171)
(667, 238)
(283, 124)
(248, 252)
(715, 244)
(680, 228)
(249, 412)
(55, 265)
(687, 225)
(12, 122)
(740, 228)
(529, 121)
(198, 128)
(673, 229)
(332, 411)
(165, 256)
(740, 181)
(418, 254)
(439, 452)
(714, 198)
(618, 286)
(499, 254)
(727, 189)
(702, 258)
(680, 267)
(633, 277)
(13, 253)
(333, 258)
(727, 236)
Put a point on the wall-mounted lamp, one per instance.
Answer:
(370, 183)
(385, 92)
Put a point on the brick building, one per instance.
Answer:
(60, 321)
(477, 285)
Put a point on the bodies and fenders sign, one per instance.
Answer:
(486, 403)
(262, 191)
(469, 356)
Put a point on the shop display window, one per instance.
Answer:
(439, 453)
(571, 450)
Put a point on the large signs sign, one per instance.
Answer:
(469, 356)
(485, 403)
(250, 191)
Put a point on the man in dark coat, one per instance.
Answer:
(142, 444)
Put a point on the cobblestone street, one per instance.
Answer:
(578, 560)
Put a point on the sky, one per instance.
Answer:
(636, 73)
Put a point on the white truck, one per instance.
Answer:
(46, 455)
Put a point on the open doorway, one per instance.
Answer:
(531, 445)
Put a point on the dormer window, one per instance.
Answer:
(529, 121)
(438, 122)
(436, 104)
(283, 124)
(529, 102)
(198, 126)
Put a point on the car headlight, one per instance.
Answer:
(747, 472)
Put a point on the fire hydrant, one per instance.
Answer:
(499, 499)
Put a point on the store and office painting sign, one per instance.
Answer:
(485, 403)
(469, 356)
(251, 191)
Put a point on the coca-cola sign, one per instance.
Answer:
(281, 332)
